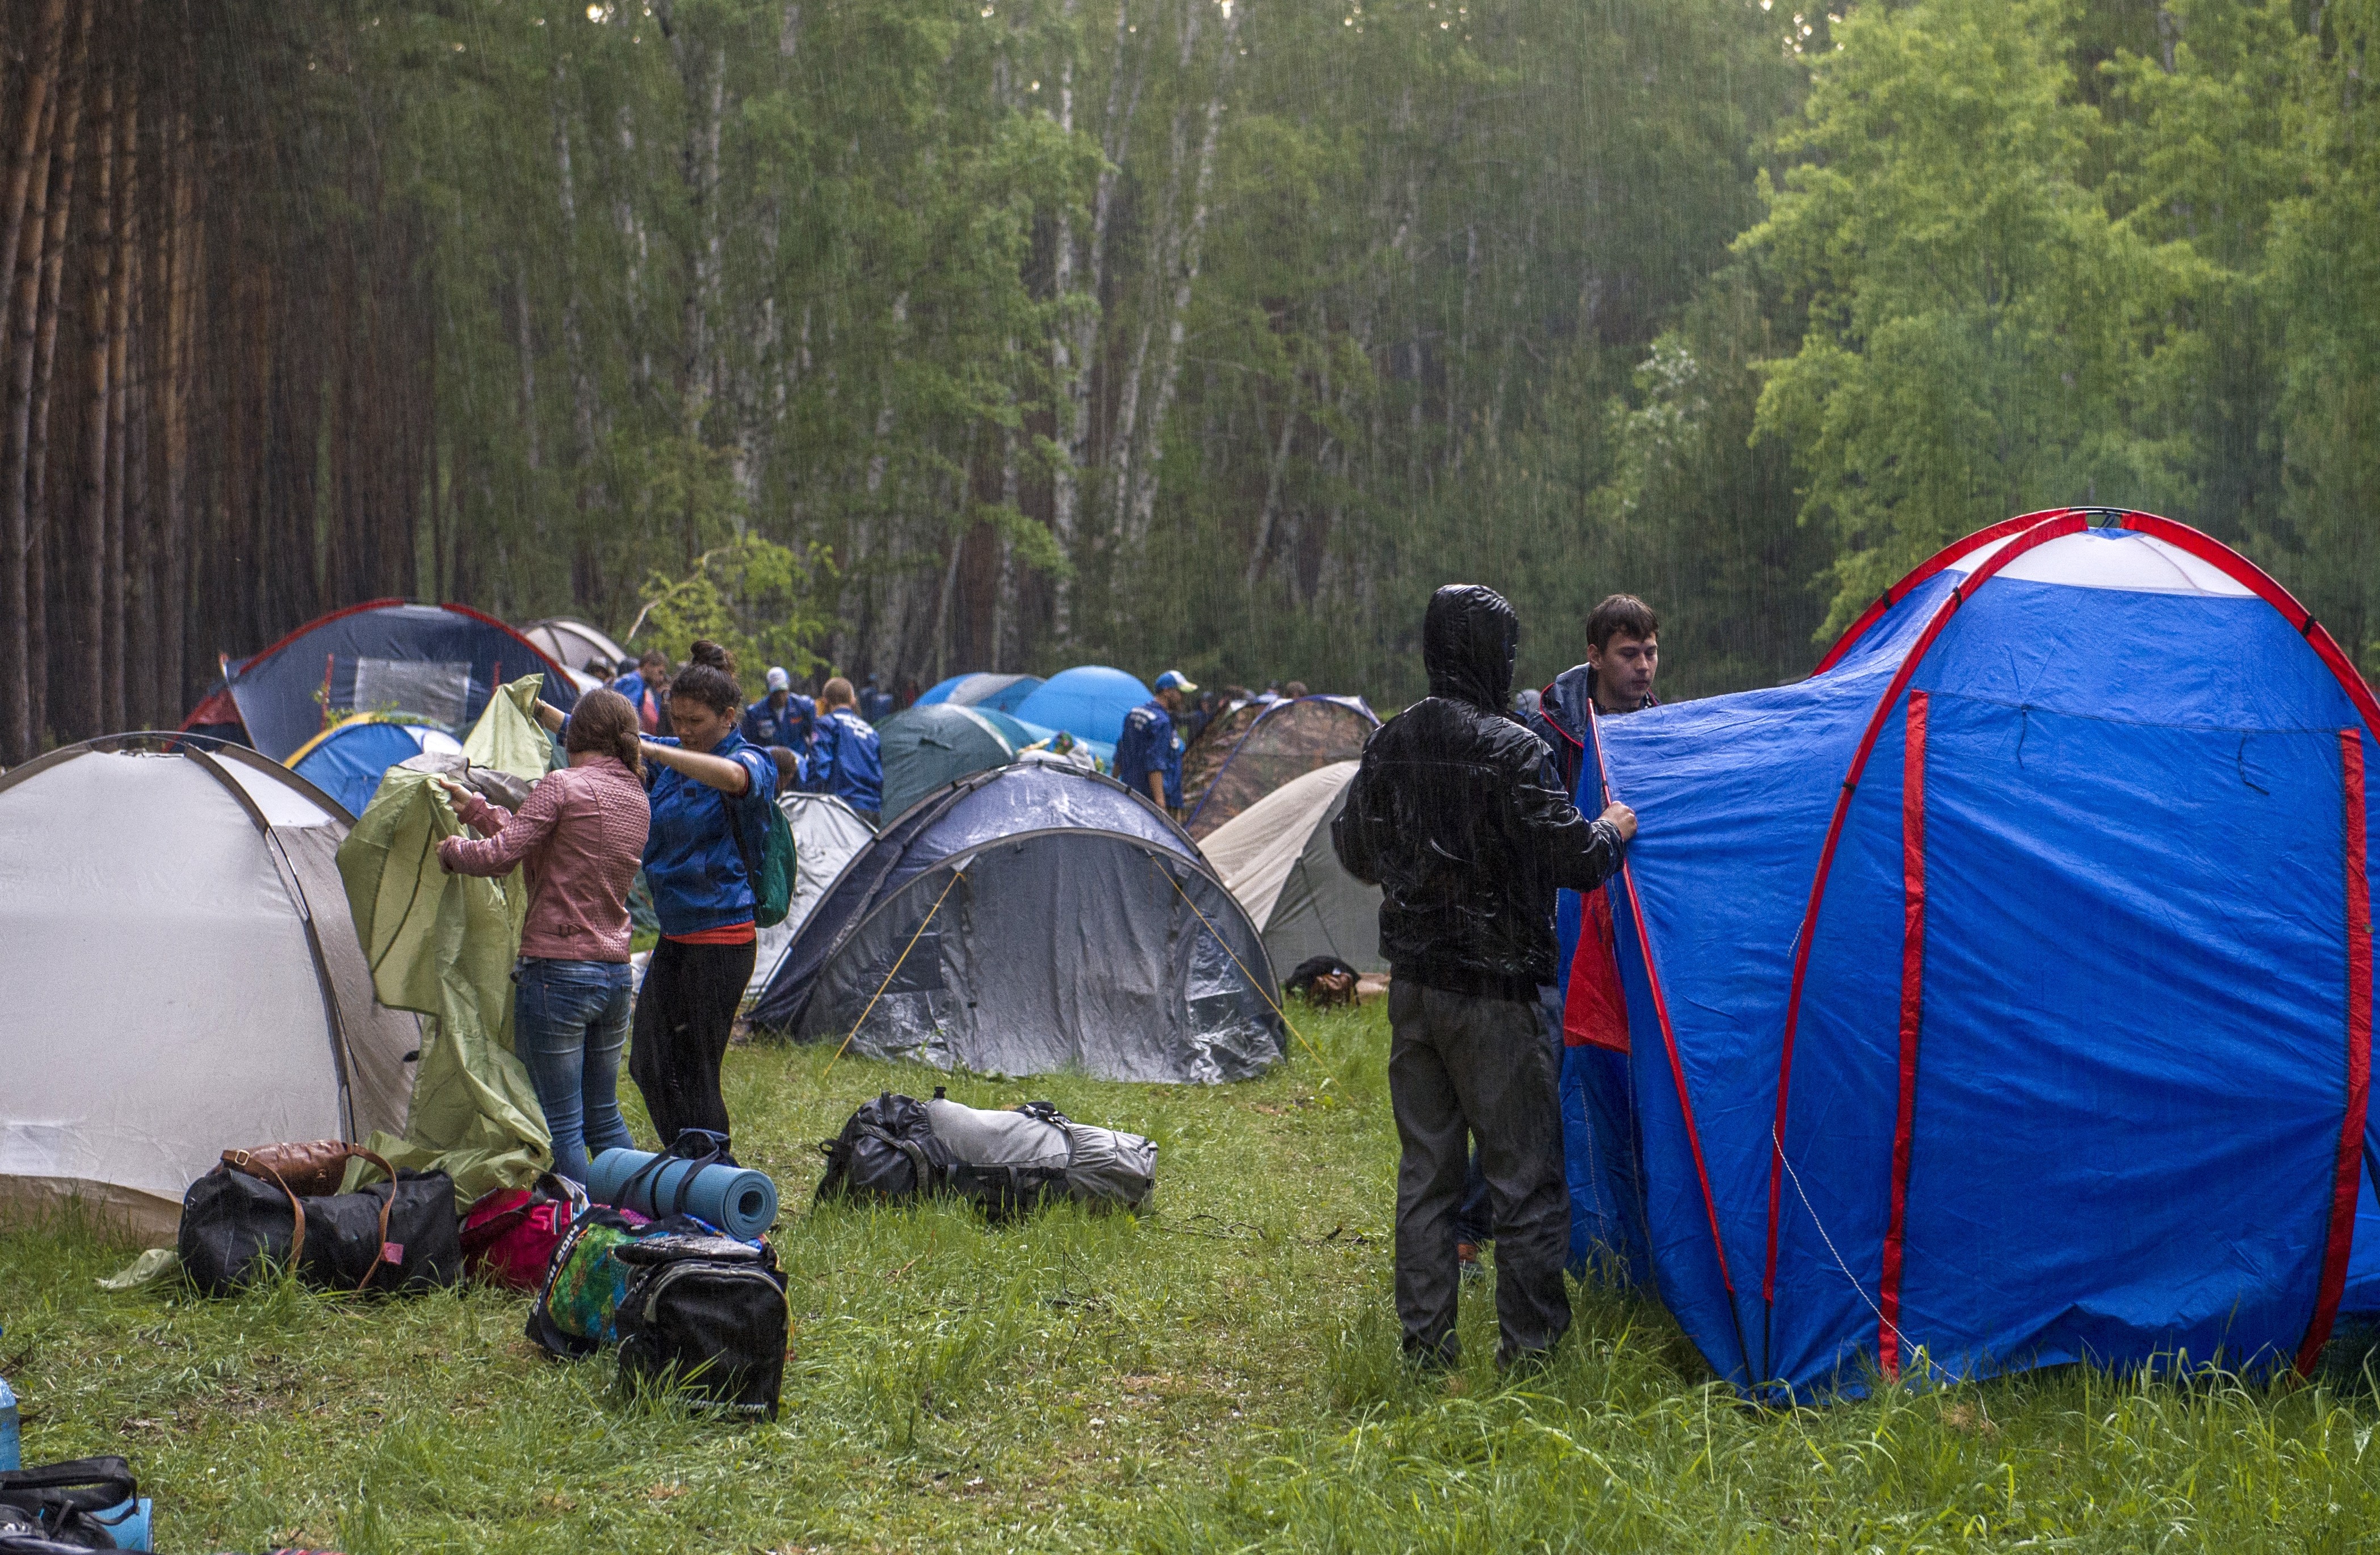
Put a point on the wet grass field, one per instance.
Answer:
(1219, 1376)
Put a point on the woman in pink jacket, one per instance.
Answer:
(580, 835)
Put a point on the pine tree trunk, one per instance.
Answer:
(89, 550)
(20, 268)
(181, 291)
(120, 314)
(39, 499)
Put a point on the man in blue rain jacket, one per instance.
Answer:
(844, 760)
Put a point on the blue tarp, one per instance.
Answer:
(384, 656)
(2132, 1028)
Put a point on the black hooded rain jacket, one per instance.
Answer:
(1458, 815)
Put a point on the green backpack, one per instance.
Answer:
(772, 873)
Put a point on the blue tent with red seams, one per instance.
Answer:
(435, 662)
(2000, 995)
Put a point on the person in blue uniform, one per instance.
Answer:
(783, 717)
(711, 795)
(844, 760)
(1148, 753)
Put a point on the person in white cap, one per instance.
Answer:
(783, 717)
(1149, 752)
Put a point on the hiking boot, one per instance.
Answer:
(1466, 1258)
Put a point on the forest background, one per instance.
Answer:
(954, 334)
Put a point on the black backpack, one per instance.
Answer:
(887, 1153)
(705, 1316)
(896, 1148)
(53, 1510)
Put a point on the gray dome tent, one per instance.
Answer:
(1276, 855)
(827, 834)
(1032, 918)
(183, 977)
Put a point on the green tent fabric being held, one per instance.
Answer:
(443, 945)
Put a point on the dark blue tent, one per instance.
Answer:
(436, 662)
(2001, 995)
(1028, 919)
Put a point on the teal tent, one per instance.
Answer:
(930, 744)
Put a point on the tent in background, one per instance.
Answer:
(1251, 750)
(435, 661)
(572, 643)
(1001, 693)
(2000, 995)
(929, 744)
(1087, 702)
(827, 835)
(1031, 919)
(347, 760)
(1276, 857)
(182, 975)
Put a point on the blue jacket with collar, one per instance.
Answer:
(692, 861)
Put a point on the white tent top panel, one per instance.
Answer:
(2119, 559)
(1255, 851)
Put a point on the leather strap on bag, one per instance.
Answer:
(311, 1163)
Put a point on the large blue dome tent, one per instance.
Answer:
(435, 662)
(1029, 919)
(2001, 995)
(1088, 701)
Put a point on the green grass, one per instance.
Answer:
(1220, 1376)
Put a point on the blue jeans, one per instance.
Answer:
(570, 1020)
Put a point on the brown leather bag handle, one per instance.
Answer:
(255, 1165)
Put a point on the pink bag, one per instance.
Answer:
(509, 1234)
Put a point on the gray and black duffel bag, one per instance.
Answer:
(896, 1148)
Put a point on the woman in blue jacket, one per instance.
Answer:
(712, 793)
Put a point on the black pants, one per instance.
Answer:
(685, 1013)
(1459, 1066)
(1472, 1222)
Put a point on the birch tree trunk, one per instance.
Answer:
(1185, 279)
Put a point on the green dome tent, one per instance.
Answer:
(930, 744)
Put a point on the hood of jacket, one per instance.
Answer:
(1468, 639)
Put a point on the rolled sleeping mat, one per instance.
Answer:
(737, 1199)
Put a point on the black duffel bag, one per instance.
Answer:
(887, 1152)
(254, 1212)
(55, 1507)
(704, 1316)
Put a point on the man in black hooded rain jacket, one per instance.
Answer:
(1457, 814)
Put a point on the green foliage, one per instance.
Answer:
(762, 602)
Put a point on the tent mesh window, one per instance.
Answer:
(434, 690)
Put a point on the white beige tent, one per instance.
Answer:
(571, 642)
(1276, 857)
(182, 976)
(827, 832)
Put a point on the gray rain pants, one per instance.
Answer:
(1458, 1065)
